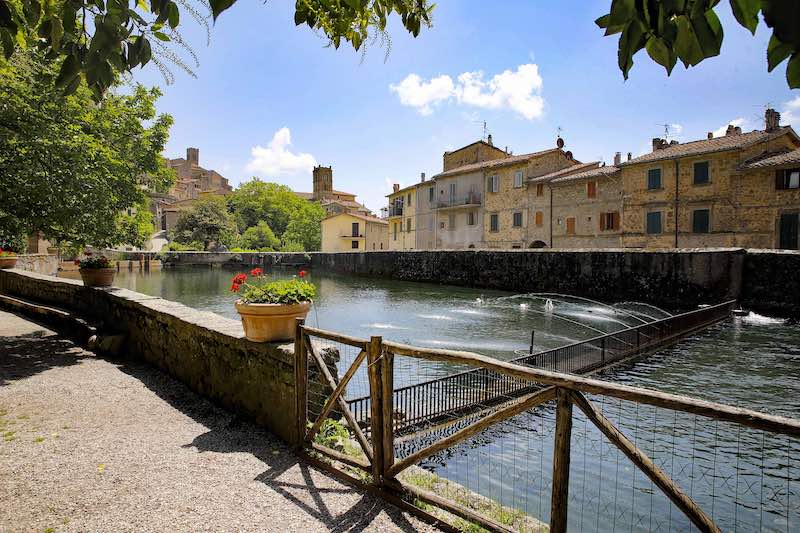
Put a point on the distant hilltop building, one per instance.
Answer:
(331, 200)
(192, 182)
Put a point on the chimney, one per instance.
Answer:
(730, 130)
(673, 142)
(489, 140)
(617, 158)
(630, 156)
(772, 119)
(658, 143)
(710, 134)
(395, 187)
(193, 156)
(422, 177)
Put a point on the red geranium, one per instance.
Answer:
(256, 272)
(302, 273)
(237, 282)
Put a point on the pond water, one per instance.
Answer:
(748, 479)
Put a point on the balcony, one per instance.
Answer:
(395, 211)
(473, 199)
(350, 235)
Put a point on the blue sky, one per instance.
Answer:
(271, 100)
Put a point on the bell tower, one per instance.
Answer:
(323, 181)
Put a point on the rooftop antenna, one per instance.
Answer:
(666, 131)
(485, 128)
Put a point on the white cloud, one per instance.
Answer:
(277, 160)
(413, 92)
(790, 113)
(720, 132)
(519, 91)
(676, 129)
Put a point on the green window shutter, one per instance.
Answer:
(701, 172)
(701, 221)
(654, 178)
(654, 222)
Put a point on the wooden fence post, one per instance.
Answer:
(561, 451)
(387, 399)
(300, 381)
(376, 406)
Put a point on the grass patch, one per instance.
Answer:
(9, 435)
(38, 439)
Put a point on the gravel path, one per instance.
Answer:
(89, 445)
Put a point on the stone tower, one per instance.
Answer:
(323, 181)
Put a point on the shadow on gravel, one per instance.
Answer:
(230, 434)
(26, 355)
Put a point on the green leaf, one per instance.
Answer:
(161, 36)
(142, 4)
(686, 45)
(69, 70)
(8, 42)
(632, 40)
(621, 14)
(218, 6)
(173, 15)
(777, 51)
(793, 71)
(659, 52)
(56, 32)
(72, 86)
(746, 12)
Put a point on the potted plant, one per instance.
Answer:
(269, 309)
(8, 259)
(96, 271)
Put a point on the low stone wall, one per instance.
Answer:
(204, 350)
(671, 278)
(234, 259)
(41, 263)
(771, 282)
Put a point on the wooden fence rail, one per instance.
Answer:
(568, 390)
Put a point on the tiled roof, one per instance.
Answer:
(305, 195)
(408, 187)
(706, 146)
(587, 174)
(342, 192)
(359, 216)
(346, 203)
(494, 163)
(564, 172)
(774, 159)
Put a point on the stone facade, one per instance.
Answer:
(476, 152)
(401, 218)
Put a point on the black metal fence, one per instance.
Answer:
(453, 396)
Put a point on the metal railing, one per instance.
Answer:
(472, 198)
(395, 210)
(461, 393)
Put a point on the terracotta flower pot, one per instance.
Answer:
(97, 277)
(8, 262)
(270, 322)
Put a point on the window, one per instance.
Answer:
(539, 218)
(517, 219)
(591, 189)
(430, 194)
(494, 223)
(654, 222)
(471, 218)
(701, 221)
(570, 225)
(654, 178)
(354, 232)
(409, 200)
(451, 222)
(354, 245)
(381, 246)
(453, 191)
(394, 228)
(701, 173)
(609, 221)
(540, 189)
(787, 179)
(408, 225)
(491, 184)
(518, 179)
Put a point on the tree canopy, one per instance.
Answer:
(207, 220)
(260, 237)
(71, 167)
(99, 39)
(691, 31)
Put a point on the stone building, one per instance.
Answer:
(401, 216)
(353, 232)
(740, 189)
(191, 182)
(331, 200)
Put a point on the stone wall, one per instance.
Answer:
(203, 350)
(41, 263)
(674, 279)
(772, 282)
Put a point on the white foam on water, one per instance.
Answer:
(436, 317)
(382, 326)
(471, 312)
(761, 320)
